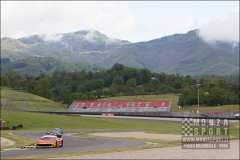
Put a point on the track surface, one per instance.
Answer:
(70, 144)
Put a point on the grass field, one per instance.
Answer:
(224, 108)
(29, 101)
(41, 121)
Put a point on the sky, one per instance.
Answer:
(134, 21)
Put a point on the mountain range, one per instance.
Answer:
(184, 54)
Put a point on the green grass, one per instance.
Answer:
(19, 141)
(224, 108)
(10, 94)
(40, 121)
(29, 101)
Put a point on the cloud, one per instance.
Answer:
(126, 20)
(51, 37)
(221, 28)
(172, 27)
(25, 18)
(91, 36)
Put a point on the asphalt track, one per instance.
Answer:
(70, 144)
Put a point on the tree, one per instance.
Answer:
(90, 96)
(73, 86)
(89, 75)
(33, 87)
(22, 83)
(44, 88)
(98, 93)
(4, 81)
(129, 73)
(148, 88)
(105, 93)
(97, 84)
(143, 76)
(118, 80)
(67, 97)
(131, 82)
(12, 76)
(188, 97)
(77, 96)
(216, 97)
(117, 67)
(177, 84)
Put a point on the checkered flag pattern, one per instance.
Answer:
(187, 129)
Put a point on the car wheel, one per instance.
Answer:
(56, 144)
(61, 144)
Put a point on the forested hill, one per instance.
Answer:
(180, 54)
(184, 54)
(66, 87)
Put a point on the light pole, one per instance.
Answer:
(198, 97)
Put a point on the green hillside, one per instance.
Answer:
(35, 65)
(184, 54)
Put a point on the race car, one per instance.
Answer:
(55, 133)
(49, 141)
(59, 130)
(237, 115)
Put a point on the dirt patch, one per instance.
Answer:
(6, 142)
(138, 135)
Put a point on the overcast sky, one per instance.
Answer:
(126, 20)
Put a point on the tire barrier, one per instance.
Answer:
(4, 128)
(17, 126)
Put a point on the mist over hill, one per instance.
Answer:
(184, 54)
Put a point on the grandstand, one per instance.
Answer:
(147, 108)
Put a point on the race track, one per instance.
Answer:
(70, 144)
(80, 144)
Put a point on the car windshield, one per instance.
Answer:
(47, 138)
(53, 131)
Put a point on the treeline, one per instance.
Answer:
(66, 87)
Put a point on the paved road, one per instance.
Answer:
(70, 144)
